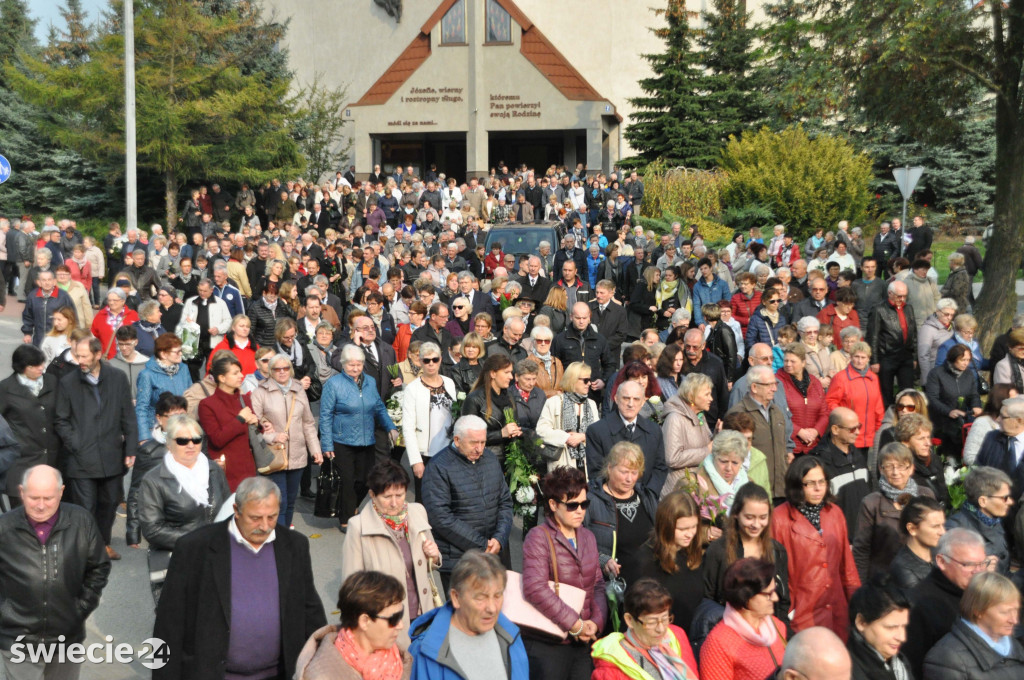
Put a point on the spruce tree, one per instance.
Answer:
(732, 94)
(70, 46)
(669, 121)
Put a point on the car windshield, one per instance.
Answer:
(521, 240)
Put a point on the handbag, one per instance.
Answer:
(268, 457)
(435, 594)
(525, 615)
(328, 490)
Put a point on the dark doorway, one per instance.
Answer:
(538, 150)
(446, 150)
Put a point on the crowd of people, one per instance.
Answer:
(768, 459)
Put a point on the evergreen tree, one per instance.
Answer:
(669, 122)
(319, 127)
(70, 46)
(17, 33)
(202, 109)
(732, 95)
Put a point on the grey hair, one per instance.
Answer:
(983, 480)
(891, 288)
(464, 299)
(958, 258)
(320, 278)
(763, 269)
(594, 248)
(808, 323)
(759, 372)
(176, 424)
(313, 291)
(220, 267)
(476, 566)
(322, 325)
(352, 353)
(947, 303)
(1012, 408)
(958, 537)
(45, 252)
(280, 356)
(466, 276)
(543, 243)
(467, 424)
(783, 269)
(681, 315)
(28, 473)
(541, 332)
(147, 308)
(255, 489)
(117, 292)
(850, 332)
(429, 349)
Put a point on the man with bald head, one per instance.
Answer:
(815, 654)
(892, 335)
(626, 424)
(845, 464)
(580, 341)
(510, 341)
(696, 360)
(53, 568)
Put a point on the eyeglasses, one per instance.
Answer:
(573, 506)
(769, 593)
(1006, 499)
(815, 483)
(392, 620)
(280, 368)
(458, 308)
(288, 337)
(587, 381)
(855, 428)
(184, 441)
(431, 360)
(890, 469)
(771, 302)
(909, 408)
(972, 566)
(539, 341)
(658, 622)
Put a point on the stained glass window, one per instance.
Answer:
(453, 24)
(499, 23)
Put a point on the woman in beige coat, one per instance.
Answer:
(393, 536)
(281, 402)
(554, 426)
(687, 437)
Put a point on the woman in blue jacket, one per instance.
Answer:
(350, 407)
(163, 373)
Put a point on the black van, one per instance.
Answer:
(523, 239)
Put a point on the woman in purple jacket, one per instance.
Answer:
(575, 552)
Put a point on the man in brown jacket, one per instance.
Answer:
(769, 425)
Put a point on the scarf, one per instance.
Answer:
(546, 359)
(168, 367)
(670, 666)
(982, 517)
(272, 306)
(803, 384)
(1003, 646)
(571, 422)
(285, 387)
(724, 488)
(195, 481)
(158, 434)
(380, 664)
(397, 523)
(812, 513)
(773, 316)
(34, 386)
(892, 493)
(765, 635)
(293, 353)
(666, 289)
(149, 327)
(1017, 371)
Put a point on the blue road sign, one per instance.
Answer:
(5, 170)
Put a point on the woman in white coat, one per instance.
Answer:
(565, 418)
(427, 412)
(218, 313)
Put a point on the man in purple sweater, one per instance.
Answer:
(239, 601)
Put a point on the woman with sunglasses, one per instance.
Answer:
(564, 420)
(877, 538)
(749, 642)
(365, 643)
(562, 539)
(812, 529)
(907, 401)
(261, 373)
(461, 322)
(550, 376)
(427, 411)
(182, 494)
(766, 320)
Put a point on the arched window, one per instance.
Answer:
(453, 25)
(499, 23)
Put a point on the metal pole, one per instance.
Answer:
(903, 224)
(131, 191)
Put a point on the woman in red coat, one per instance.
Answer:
(746, 300)
(822, 573)
(239, 342)
(495, 259)
(226, 421)
(110, 318)
(856, 387)
(805, 397)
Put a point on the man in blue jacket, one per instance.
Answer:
(469, 637)
(709, 289)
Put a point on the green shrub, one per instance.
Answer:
(679, 191)
(742, 218)
(806, 182)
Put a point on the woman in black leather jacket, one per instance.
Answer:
(183, 493)
(879, 612)
(489, 399)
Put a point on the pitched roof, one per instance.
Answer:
(535, 47)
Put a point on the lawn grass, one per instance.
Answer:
(942, 247)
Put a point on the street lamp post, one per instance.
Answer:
(131, 191)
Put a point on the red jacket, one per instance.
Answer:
(822, 573)
(402, 339)
(81, 274)
(743, 308)
(863, 395)
(828, 315)
(810, 411)
(794, 255)
(606, 670)
(102, 329)
(726, 654)
(491, 262)
(227, 435)
(247, 356)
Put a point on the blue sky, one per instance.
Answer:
(48, 12)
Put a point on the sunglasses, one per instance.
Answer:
(910, 408)
(184, 441)
(392, 620)
(459, 307)
(573, 506)
(587, 381)
(431, 360)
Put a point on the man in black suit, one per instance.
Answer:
(627, 424)
(696, 360)
(609, 317)
(535, 285)
(480, 302)
(311, 248)
(209, 630)
(319, 219)
(434, 329)
(569, 251)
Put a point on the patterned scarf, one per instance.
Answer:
(380, 664)
(812, 513)
(892, 493)
(169, 367)
(34, 386)
(668, 662)
(987, 520)
(572, 403)
(397, 523)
